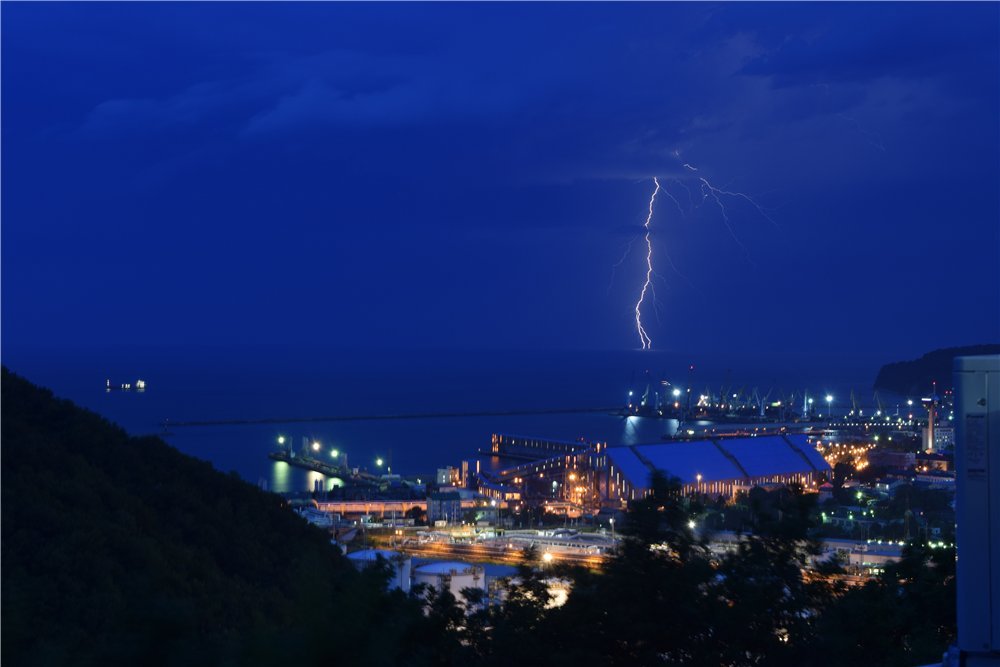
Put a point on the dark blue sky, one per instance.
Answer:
(455, 175)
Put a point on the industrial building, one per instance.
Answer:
(453, 576)
(716, 467)
(444, 506)
(593, 474)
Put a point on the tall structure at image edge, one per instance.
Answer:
(977, 511)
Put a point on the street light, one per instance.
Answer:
(829, 401)
(281, 439)
(612, 529)
(379, 462)
(698, 487)
(315, 446)
(334, 453)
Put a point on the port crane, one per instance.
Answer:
(878, 404)
(761, 401)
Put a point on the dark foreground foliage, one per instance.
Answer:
(666, 600)
(121, 550)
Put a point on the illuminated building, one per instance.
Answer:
(720, 467)
(446, 506)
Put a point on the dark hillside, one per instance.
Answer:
(123, 550)
(914, 378)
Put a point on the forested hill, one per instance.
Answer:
(914, 378)
(120, 550)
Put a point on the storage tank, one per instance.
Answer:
(451, 575)
(401, 565)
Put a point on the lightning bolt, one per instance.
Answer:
(715, 192)
(647, 342)
(667, 192)
(688, 191)
(625, 254)
(709, 190)
(873, 138)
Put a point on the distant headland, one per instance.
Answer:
(910, 378)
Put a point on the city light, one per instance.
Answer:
(281, 439)
(334, 453)
(315, 446)
(379, 462)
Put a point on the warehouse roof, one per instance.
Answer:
(764, 457)
(687, 460)
(625, 460)
(801, 442)
(718, 460)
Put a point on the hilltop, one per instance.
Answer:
(914, 378)
(123, 550)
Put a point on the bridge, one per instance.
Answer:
(381, 508)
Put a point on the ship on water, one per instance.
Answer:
(139, 386)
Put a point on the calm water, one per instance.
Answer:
(205, 383)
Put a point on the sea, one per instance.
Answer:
(212, 383)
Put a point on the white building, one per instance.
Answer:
(451, 575)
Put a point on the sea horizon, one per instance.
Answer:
(194, 383)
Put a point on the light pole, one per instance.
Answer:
(698, 486)
(612, 530)
(829, 408)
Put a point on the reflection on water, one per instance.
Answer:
(637, 430)
(281, 473)
(314, 480)
(286, 479)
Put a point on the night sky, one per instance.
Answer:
(467, 176)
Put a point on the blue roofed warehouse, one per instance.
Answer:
(717, 467)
